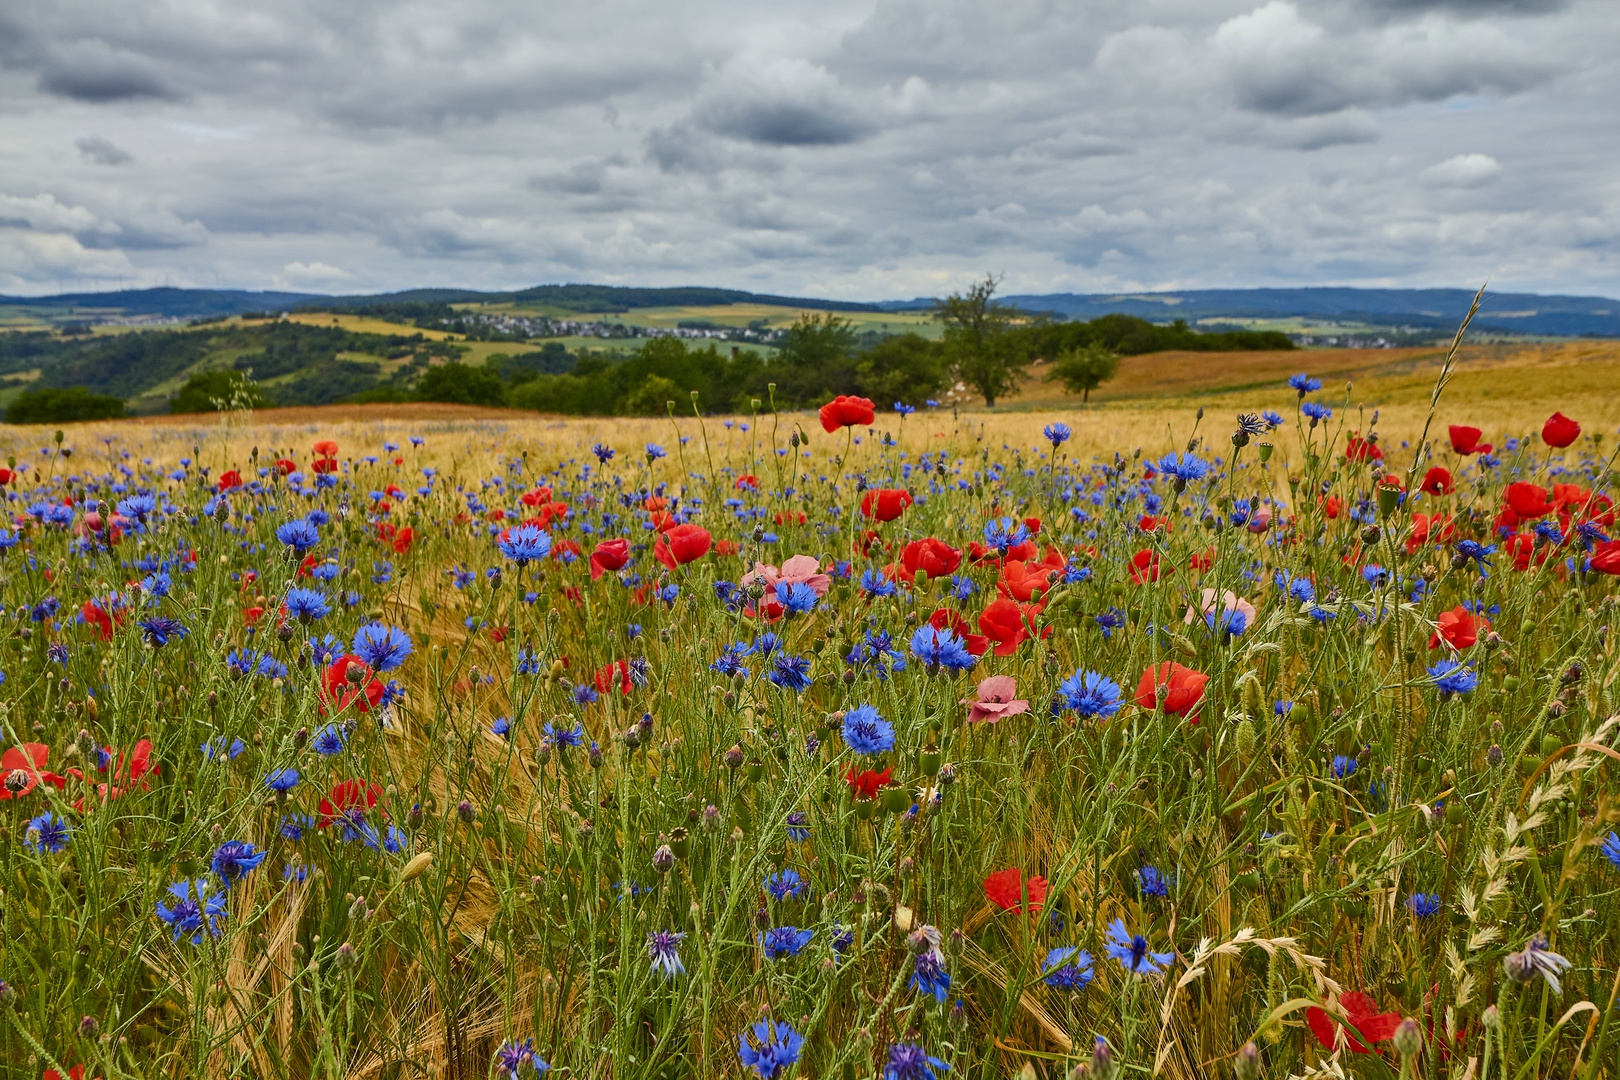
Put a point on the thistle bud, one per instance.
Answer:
(711, 817)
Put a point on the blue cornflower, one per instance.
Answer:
(796, 597)
(1183, 467)
(1273, 419)
(234, 858)
(1090, 693)
(765, 644)
(1424, 905)
(796, 827)
(1068, 968)
(909, 1061)
(865, 732)
(217, 748)
(138, 506)
(585, 695)
(1610, 849)
(49, 833)
(1474, 551)
(271, 668)
(1343, 766)
(875, 584)
(282, 780)
(240, 662)
(941, 649)
(159, 630)
(1304, 384)
(790, 672)
(1300, 588)
(780, 941)
(786, 884)
(604, 454)
(563, 737)
(194, 910)
(928, 975)
(1151, 882)
(293, 827)
(328, 741)
(512, 1057)
(157, 583)
(1132, 952)
(525, 544)
(1005, 532)
(1316, 411)
(654, 452)
(730, 662)
(1056, 434)
(307, 605)
(664, 950)
(961, 587)
(1453, 677)
(300, 535)
(383, 648)
(501, 727)
(876, 653)
(1374, 575)
(1226, 623)
(774, 1049)
(903, 409)
(1109, 621)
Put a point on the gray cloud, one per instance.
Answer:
(101, 151)
(849, 147)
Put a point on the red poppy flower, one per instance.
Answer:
(1007, 888)
(885, 505)
(747, 482)
(1437, 481)
(349, 796)
(403, 539)
(251, 615)
(948, 619)
(27, 762)
(1528, 501)
(324, 448)
(229, 479)
(74, 1073)
(1365, 1021)
(343, 693)
(846, 411)
(609, 556)
(1185, 686)
(1202, 560)
(7, 476)
(136, 765)
(1332, 506)
(1145, 567)
(790, 517)
(538, 497)
(97, 615)
(1457, 628)
(616, 671)
(1019, 581)
(1427, 529)
(1465, 440)
(1606, 557)
(934, 557)
(324, 465)
(1359, 449)
(285, 466)
(866, 785)
(1007, 624)
(1559, 431)
(682, 545)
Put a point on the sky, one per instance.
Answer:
(859, 150)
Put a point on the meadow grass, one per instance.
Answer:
(611, 823)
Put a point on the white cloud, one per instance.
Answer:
(1464, 170)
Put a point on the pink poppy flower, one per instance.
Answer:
(799, 570)
(997, 699)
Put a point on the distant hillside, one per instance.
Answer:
(161, 303)
(585, 299)
(1439, 310)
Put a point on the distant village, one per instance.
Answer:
(480, 324)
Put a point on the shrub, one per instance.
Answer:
(459, 384)
(63, 405)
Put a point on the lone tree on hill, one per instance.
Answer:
(1084, 369)
(977, 343)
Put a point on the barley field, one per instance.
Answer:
(1241, 724)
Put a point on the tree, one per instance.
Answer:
(906, 367)
(1084, 369)
(812, 360)
(54, 405)
(459, 384)
(217, 391)
(978, 345)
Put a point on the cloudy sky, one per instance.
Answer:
(871, 149)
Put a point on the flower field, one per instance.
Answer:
(873, 743)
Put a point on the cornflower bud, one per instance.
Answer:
(1408, 1039)
(89, 1027)
(466, 811)
(663, 859)
(1246, 1066)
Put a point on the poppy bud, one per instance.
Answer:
(1491, 1018)
(542, 753)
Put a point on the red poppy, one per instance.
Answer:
(1465, 440)
(1528, 501)
(28, 761)
(1559, 431)
(866, 785)
(1359, 449)
(934, 557)
(1145, 567)
(1007, 888)
(285, 466)
(866, 541)
(324, 465)
(1004, 622)
(7, 476)
(682, 545)
(1151, 523)
(324, 448)
(1437, 481)
(1202, 560)
(1606, 557)
(97, 614)
(74, 1073)
(747, 482)
(343, 693)
(135, 765)
(403, 540)
(1365, 1020)
(948, 619)
(790, 517)
(885, 505)
(725, 547)
(251, 615)
(846, 411)
(609, 556)
(1332, 506)
(1020, 581)
(1427, 529)
(1458, 628)
(1185, 686)
(616, 671)
(229, 479)
(538, 497)
(349, 797)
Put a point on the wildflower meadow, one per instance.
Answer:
(855, 744)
